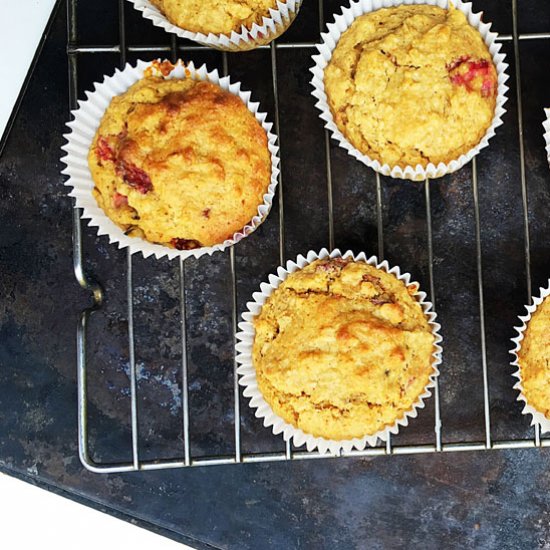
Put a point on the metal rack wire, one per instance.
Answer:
(172, 49)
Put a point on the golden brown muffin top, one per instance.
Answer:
(342, 349)
(534, 359)
(412, 85)
(215, 16)
(180, 162)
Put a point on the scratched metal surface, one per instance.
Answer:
(490, 499)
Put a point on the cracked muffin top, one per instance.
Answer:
(179, 162)
(534, 359)
(342, 349)
(412, 85)
(215, 16)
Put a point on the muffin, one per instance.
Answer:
(215, 16)
(179, 162)
(342, 349)
(231, 25)
(412, 85)
(534, 359)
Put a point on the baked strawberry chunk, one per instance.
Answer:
(457, 62)
(135, 177)
(103, 149)
(474, 75)
(488, 88)
(120, 200)
(185, 244)
(132, 175)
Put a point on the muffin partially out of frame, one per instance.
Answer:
(231, 25)
(534, 360)
(342, 349)
(412, 85)
(215, 16)
(179, 162)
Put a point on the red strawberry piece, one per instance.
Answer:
(457, 62)
(120, 200)
(480, 68)
(488, 88)
(103, 149)
(458, 79)
(477, 68)
(370, 279)
(482, 65)
(135, 177)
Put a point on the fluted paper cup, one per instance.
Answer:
(247, 372)
(329, 41)
(86, 122)
(537, 418)
(546, 126)
(247, 39)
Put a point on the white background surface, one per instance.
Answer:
(31, 517)
(21, 26)
(36, 519)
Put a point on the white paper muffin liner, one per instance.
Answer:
(84, 126)
(546, 126)
(248, 39)
(247, 372)
(329, 41)
(537, 418)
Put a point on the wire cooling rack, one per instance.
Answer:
(186, 457)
